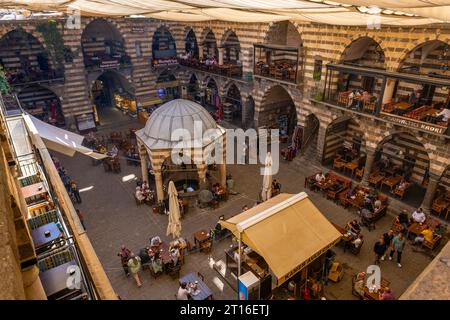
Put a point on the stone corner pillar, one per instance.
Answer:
(221, 51)
(433, 182)
(32, 284)
(159, 184)
(370, 158)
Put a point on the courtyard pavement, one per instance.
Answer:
(112, 218)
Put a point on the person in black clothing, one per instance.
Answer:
(354, 227)
(379, 249)
(403, 219)
(387, 237)
(276, 187)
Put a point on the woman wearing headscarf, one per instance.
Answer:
(124, 255)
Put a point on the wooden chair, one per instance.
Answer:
(369, 107)
(359, 173)
(433, 244)
(356, 250)
(138, 202)
(201, 276)
(338, 164)
(401, 193)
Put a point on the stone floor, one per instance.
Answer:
(112, 219)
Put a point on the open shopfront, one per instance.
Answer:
(284, 238)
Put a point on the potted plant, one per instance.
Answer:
(4, 85)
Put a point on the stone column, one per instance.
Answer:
(388, 91)
(433, 182)
(320, 143)
(223, 174)
(159, 185)
(201, 169)
(368, 166)
(221, 56)
(200, 53)
(32, 284)
(144, 165)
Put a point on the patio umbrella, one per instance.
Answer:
(174, 226)
(266, 192)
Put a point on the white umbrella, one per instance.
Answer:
(266, 192)
(174, 226)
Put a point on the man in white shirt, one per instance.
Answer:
(358, 241)
(320, 177)
(183, 293)
(445, 113)
(419, 216)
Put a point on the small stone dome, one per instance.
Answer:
(173, 115)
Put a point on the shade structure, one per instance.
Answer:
(266, 192)
(174, 225)
(340, 12)
(288, 231)
(60, 140)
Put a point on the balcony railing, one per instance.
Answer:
(227, 70)
(22, 78)
(396, 108)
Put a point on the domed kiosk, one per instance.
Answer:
(181, 128)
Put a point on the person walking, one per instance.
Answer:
(125, 255)
(398, 243)
(134, 264)
(81, 217)
(388, 237)
(379, 249)
(75, 191)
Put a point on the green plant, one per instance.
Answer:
(317, 75)
(318, 96)
(4, 85)
(54, 41)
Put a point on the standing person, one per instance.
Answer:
(379, 249)
(125, 255)
(75, 191)
(135, 267)
(398, 243)
(387, 237)
(81, 217)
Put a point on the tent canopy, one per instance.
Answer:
(340, 12)
(288, 231)
(60, 140)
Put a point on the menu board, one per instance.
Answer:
(85, 122)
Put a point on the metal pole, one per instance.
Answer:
(239, 261)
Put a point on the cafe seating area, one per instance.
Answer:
(357, 100)
(280, 69)
(349, 161)
(441, 204)
(356, 197)
(231, 70)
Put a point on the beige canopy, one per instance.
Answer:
(340, 12)
(288, 231)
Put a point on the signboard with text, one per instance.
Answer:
(430, 127)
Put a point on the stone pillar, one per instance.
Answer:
(200, 53)
(223, 174)
(159, 184)
(201, 169)
(388, 91)
(368, 166)
(221, 56)
(32, 284)
(320, 143)
(144, 164)
(433, 182)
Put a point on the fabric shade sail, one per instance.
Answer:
(341, 12)
(60, 140)
(288, 231)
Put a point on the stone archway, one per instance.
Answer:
(164, 50)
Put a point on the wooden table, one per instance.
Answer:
(204, 292)
(375, 295)
(391, 182)
(201, 236)
(54, 281)
(351, 166)
(357, 202)
(403, 105)
(41, 242)
(33, 190)
(376, 179)
(163, 250)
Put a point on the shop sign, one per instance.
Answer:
(136, 29)
(414, 124)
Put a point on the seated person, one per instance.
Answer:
(175, 255)
(155, 241)
(145, 187)
(114, 151)
(320, 177)
(402, 185)
(403, 219)
(419, 216)
(366, 216)
(357, 242)
(157, 265)
(443, 115)
(139, 194)
(219, 230)
(377, 205)
(360, 283)
(386, 294)
(143, 254)
(351, 193)
(276, 187)
(426, 234)
(353, 227)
